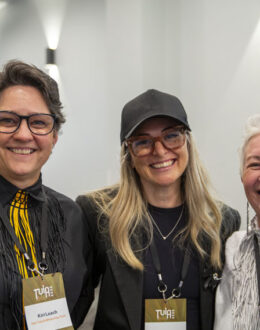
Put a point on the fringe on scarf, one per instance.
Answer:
(55, 255)
(244, 287)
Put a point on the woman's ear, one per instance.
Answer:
(55, 139)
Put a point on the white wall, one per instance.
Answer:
(206, 52)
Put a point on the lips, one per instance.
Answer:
(164, 164)
(22, 151)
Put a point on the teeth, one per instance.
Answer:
(22, 151)
(164, 164)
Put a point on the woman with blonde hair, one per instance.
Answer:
(238, 296)
(156, 237)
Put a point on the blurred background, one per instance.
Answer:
(206, 52)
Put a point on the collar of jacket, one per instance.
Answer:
(8, 190)
(130, 287)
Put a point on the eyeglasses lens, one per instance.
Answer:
(40, 124)
(8, 122)
(142, 146)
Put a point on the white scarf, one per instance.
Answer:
(245, 295)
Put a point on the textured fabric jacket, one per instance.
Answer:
(71, 236)
(237, 298)
(120, 299)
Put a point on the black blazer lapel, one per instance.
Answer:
(130, 287)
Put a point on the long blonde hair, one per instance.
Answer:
(127, 209)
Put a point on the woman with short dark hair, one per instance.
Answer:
(41, 230)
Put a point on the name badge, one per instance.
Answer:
(45, 304)
(165, 315)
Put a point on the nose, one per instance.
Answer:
(23, 132)
(159, 148)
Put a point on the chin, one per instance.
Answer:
(165, 183)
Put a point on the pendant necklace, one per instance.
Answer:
(164, 237)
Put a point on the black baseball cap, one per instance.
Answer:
(152, 103)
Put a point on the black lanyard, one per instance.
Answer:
(44, 236)
(162, 287)
(257, 261)
(44, 233)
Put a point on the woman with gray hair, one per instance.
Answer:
(238, 295)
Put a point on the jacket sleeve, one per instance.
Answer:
(93, 259)
(223, 307)
(230, 223)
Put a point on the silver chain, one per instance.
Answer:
(171, 231)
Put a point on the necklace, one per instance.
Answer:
(164, 237)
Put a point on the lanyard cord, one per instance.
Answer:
(44, 235)
(257, 261)
(162, 287)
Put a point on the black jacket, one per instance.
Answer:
(120, 299)
(70, 237)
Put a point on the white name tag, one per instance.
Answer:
(165, 315)
(45, 304)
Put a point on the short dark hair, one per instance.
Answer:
(20, 73)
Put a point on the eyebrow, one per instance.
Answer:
(254, 157)
(163, 130)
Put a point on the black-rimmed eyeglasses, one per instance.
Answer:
(144, 145)
(39, 124)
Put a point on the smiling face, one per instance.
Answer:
(162, 168)
(251, 173)
(22, 154)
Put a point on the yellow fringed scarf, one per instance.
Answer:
(20, 222)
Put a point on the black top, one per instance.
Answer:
(121, 290)
(171, 259)
(66, 249)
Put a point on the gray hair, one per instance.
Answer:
(252, 128)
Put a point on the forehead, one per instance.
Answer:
(23, 100)
(253, 147)
(159, 123)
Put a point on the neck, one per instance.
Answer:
(164, 197)
(22, 184)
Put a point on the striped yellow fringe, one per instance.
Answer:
(18, 211)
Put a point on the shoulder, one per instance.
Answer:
(89, 208)
(86, 203)
(90, 203)
(235, 240)
(231, 221)
(93, 204)
(232, 247)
